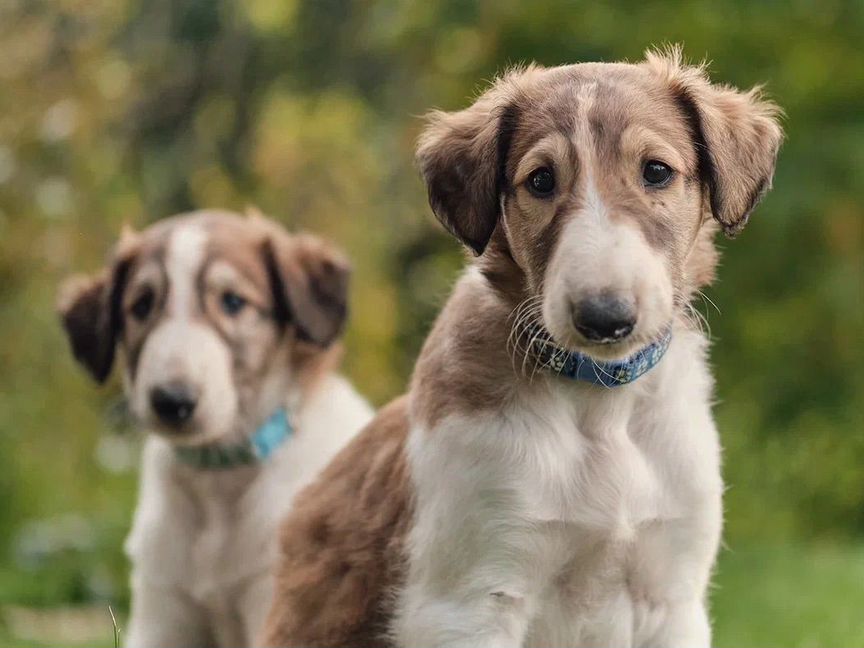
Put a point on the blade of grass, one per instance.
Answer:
(116, 628)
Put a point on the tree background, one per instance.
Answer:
(115, 111)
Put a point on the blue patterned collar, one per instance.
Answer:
(257, 448)
(578, 366)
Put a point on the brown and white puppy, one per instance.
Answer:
(501, 503)
(223, 321)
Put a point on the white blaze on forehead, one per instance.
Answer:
(584, 142)
(185, 254)
(186, 348)
(583, 138)
(585, 95)
(595, 208)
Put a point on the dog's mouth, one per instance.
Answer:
(601, 349)
(189, 436)
(190, 431)
(176, 433)
(604, 349)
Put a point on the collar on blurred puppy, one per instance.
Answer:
(269, 437)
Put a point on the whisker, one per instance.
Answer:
(535, 356)
(709, 300)
(698, 319)
(521, 316)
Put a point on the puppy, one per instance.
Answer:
(228, 327)
(553, 476)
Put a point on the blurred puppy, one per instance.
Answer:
(228, 328)
(553, 477)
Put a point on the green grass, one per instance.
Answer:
(791, 596)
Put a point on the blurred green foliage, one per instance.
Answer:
(116, 111)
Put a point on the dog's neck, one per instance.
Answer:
(574, 365)
(255, 448)
(472, 360)
(256, 438)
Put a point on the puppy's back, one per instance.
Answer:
(342, 544)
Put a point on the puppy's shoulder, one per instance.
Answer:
(336, 402)
(341, 544)
(466, 365)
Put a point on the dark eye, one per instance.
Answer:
(232, 303)
(143, 305)
(656, 173)
(541, 182)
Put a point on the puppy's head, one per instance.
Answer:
(216, 316)
(603, 184)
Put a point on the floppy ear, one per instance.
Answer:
(310, 285)
(90, 310)
(461, 156)
(736, 135)
(81, 305)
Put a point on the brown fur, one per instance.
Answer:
(342, 546)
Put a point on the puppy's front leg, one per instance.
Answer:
(685, 626)
(676, 559)
(164, 617)
(255, 599)
(477, 561)
(465, 616)
(473, 582)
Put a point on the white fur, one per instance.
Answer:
(577, 516)
(204, 544)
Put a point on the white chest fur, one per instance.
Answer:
(579, 516)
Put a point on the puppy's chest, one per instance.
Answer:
(231, 542)
(215, 543)
(600, 474)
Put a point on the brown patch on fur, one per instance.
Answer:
(342, 544)
(464, 364)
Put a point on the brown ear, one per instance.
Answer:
(462, 155)
(310, 285)
(736, 134)
(90, 310)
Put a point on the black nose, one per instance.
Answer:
(604, 318)
(174, 403)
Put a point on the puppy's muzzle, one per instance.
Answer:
(174, 403)
(604, 318)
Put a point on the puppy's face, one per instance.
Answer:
(211, 312)
(599, 181)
